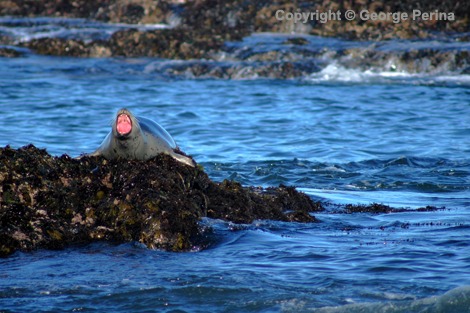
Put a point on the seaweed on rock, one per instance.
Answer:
(52, 202)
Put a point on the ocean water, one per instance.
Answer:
(341, 135)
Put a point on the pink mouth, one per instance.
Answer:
(123, 124)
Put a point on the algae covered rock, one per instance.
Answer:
(53, 202)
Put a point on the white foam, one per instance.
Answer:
(458, 79)
(141, 27)
(334, 72)
(27, 29)
(408, 199)
(337, 73)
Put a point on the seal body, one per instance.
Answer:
(138, 138)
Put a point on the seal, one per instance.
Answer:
(138, 138)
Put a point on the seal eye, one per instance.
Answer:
(123, 124)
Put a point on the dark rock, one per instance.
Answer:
(64, 8)
(69, 47)
(201, 27)
(230, 201)
(53, 202)
(412, 61)
(242, 70)
(10, 53)
(58, 46)
(463, 38)
(6, 40)
(299, 41)
(379, 208)
(358, 29)
(232, 20)
(165, 43)
(132, 13)
(117, 11)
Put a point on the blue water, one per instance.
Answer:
(341, 136)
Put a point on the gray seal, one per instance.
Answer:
(138, 138)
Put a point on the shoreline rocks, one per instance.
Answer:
(204, 30)
(236, 19)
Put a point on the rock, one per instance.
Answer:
(379, 208)
(272, 70)
(69, 47)
(10, 53)
(6, 40)
(235, 203)
(299, 41)
(116, 11)
(232, 20)
(59, 47)
(362, 28)
(202, 27)
(54, 202)
(425, 60)
(164, 43)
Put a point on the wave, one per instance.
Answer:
(414, 174)
(455, 300)
(23, 29)
(307, 71)
(337, 73)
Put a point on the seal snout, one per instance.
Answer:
(123, 124)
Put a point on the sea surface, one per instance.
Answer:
(340, 135)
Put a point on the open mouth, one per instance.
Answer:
(123, 124)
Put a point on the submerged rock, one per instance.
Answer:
(53, 202)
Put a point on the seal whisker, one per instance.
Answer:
(111, 120)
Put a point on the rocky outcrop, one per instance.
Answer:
(366, 26)
(114, 11)
(166, 43)
(54, 202)
(232, 20)
(200, 29)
